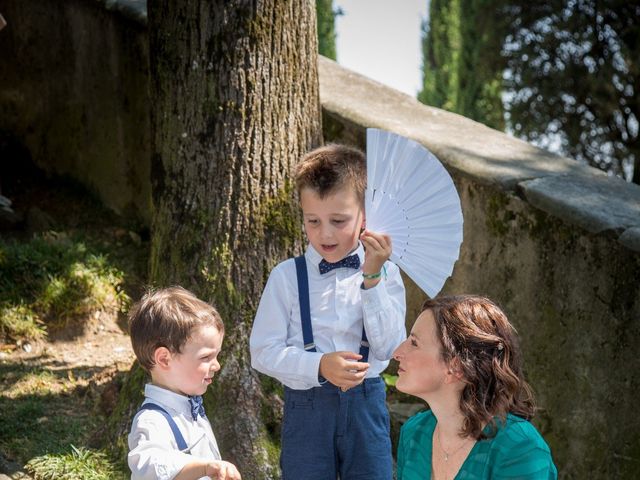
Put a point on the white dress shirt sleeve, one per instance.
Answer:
(384, 309)
(153, 453)
(270, 352)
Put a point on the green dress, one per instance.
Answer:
(517, 451)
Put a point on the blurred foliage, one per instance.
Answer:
(326, 18)
(567, 72)
(461, 59)
(573, 79)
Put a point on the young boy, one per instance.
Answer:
(327, 325)
(176, 338)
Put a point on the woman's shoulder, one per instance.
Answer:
(517, 431)
(519, 451)
(419, 421)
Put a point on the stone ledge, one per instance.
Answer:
(593, 202)
(469, 147)
(630, 238)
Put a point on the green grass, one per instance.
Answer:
(52, 280)
(80, 463)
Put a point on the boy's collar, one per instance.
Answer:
(173, 400)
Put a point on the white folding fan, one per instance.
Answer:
(411, 198)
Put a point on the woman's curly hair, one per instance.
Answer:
(478, 340)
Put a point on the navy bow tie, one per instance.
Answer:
(196, 407)
(352, 261)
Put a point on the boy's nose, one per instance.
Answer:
(326, 231)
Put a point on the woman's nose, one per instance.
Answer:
(397, 352)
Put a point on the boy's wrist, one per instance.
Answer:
(371, 276)
(367, 275)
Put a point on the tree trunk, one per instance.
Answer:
(235, 104)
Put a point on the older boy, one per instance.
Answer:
(176, 338)
(327, 325)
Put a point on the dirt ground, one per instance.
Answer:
(102, 343)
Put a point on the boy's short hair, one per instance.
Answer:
(166, 318)
(329, 168)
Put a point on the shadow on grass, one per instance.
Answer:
(48, 407)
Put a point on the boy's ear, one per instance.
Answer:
(162, 357)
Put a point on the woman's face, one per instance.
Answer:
(422, 370)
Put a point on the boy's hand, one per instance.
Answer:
(377, 250)
(343, 369)
(222, 470)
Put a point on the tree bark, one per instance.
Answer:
(235, 104)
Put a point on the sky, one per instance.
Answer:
(381, 39)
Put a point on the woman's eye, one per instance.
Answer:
(414, 343)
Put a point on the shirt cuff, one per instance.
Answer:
(310, 367)
(375, 299)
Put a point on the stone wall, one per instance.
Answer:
(74, 91)
(557, 244)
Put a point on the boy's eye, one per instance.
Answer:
(338, 222)
(312, 221)
(414, 343)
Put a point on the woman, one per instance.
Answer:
(462, 357)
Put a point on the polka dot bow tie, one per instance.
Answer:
(196, 407)
(352, 261)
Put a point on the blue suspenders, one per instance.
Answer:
(182, 445)
(305, 311)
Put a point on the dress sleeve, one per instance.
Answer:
(524, 455)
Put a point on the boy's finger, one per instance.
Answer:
(374, 243)
(359, 366)
(357, 377)
(350, 355)
(380, 237)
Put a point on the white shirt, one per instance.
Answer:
(338, 308)
(153, 451)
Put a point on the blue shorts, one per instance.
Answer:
(327, 432)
